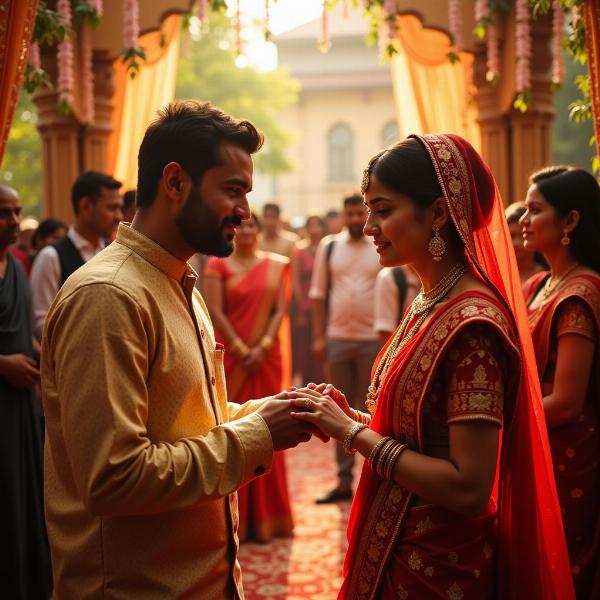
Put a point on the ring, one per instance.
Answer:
(307, 404)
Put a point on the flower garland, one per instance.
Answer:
(558, 24)
(87, 88)
(455, 23)
(390, 8)
(65, 60)
(96, 6)
(267, 21)
(131, 34)
(201, 12)
(523, 46)
(238, 28)
(324, 43)
(488, 29)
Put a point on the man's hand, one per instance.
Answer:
(19, 370)
(286, 431)
(319, 348)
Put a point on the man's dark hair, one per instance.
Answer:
(45, 228)
(89, 185)
(332, 214)
(189, 133)
(271, 207)
(353, 200)
(128, 199)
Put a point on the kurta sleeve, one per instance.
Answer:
(474, 374)
(574, 316)
(98, 342)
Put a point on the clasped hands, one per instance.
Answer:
(316, 409)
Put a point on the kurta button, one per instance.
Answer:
(213, 380)
(259, 470)
(202, 333)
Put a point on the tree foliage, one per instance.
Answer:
(207, 71)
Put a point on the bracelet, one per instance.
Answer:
(393, 459)
(350, 435)
(375, 451)
(383, 457)
(239, 348)
(266, 342)
(361, 417)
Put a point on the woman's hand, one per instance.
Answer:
(338, 397)
(324, 413)
(254, 359)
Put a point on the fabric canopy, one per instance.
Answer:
(137, 100)
(431, 93)
(17, 19)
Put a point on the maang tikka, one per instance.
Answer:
(437, 245)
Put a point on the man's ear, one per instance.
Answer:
(174, 180)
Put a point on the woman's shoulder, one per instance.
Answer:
(277, 259)
(217, 267)
(585, 286)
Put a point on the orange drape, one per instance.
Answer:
(592, 35)
(137, 100)
(17, 19)
(431, 93)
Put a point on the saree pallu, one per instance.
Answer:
(575, 446)
(249, 301)
(384, 533)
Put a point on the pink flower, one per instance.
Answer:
(482, 10)
(87, 75)
(523, 46)
(558, 24)
(202, 10)
(97, 6)
(493, 53)
(64, 55)
(455, 22)
(131, 23)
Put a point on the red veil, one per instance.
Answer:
(533, 559)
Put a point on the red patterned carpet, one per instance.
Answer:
(309, 565)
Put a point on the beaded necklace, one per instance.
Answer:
(421, 307)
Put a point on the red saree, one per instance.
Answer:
(575, 446)
(264, 505)
(530, 562)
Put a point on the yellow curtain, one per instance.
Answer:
(137, 100)
(431, 93)
(17, 19)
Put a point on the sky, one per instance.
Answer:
(284, 15)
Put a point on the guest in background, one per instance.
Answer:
(395, 289)
(97, 208)
(49, 231)
(529, 263)
(128, 206)
(305, 368)
(563, 223)
(334, 222)
(25, 566)
(247, 294)
(274, 238)
(23, 249)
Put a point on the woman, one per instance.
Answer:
(247, 298)
(563, 222)
(452, 385)
(305, 367)
(529, 263)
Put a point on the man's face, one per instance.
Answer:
(216, 206)
(105, 214)
(355, 217)
(10, 216)
(270, 221)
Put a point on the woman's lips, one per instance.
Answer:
(381, 246)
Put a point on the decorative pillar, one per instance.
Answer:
(514, 143)
(95, 136)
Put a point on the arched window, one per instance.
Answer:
(340, 154)
(390, 133)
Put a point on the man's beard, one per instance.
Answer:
(200, 228)
(355, 231)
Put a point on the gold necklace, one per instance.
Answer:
(550, 286)
(422, 308)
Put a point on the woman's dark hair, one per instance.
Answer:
(45, 228)
(191, 134)
(406, 168)
(568, 188)
(254, 217)
(515, 211)
(319, 220)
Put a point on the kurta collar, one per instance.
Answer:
(156, 255)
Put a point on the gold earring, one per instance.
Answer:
(565, 240)
(437, 245)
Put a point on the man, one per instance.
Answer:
(24, 568)
(144, 453)
(341, 291)
(23, 249)
(334, 221)
(274, 237)
(128, 206)
(97, 207)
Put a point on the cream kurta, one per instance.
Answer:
(143, 451)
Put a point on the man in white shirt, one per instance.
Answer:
(342, 294)
(97, 206)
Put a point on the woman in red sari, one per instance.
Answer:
(456, 498)
(246, 294)
(563, 222)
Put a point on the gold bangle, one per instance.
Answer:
(375, 451)
(383, 456)
(266, 342)
(393, 459)
(361, 417)
(239, 348)
(350, 435)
